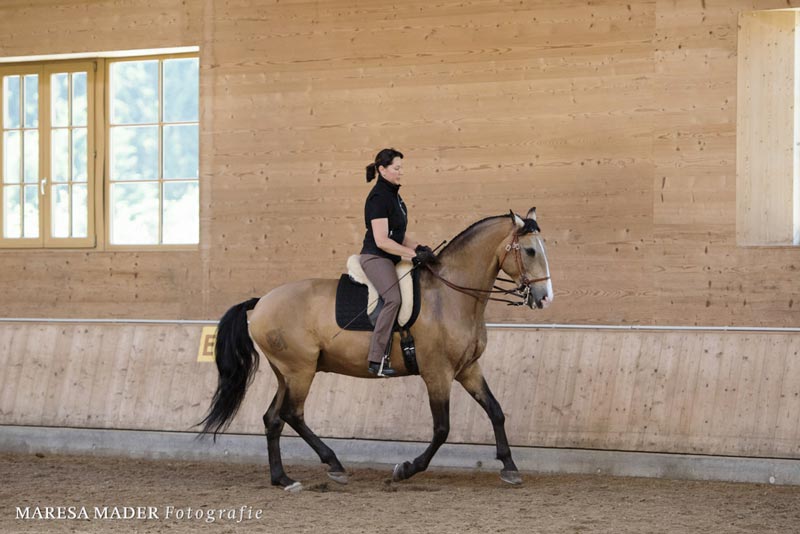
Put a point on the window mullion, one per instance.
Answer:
(160, 151)
(70, 155)
(46, 143)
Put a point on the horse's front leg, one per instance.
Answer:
(473, 381)
(439, 397)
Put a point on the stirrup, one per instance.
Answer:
(383, 370)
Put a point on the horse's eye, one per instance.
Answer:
(530, 251)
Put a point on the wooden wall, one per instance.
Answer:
(691, 392)
(617, 119)
(765, 132)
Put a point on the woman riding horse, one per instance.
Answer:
(385, 243)
(294, 328)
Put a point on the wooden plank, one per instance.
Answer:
(69, 345)
(661, 420)
(788, 418)
(765, 129)
(726, 389)
(604, 390)
(106, 370)
(687, 384)
(770, 389)
(643, 390)
(14, 355)
(587, 374)
(702, 400)
(746, 418)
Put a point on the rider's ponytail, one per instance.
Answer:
(372, 170)
(383, 159)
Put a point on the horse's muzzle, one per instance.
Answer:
(535, 299)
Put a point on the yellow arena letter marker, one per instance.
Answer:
(207, 341)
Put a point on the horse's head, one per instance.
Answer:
(523, 258)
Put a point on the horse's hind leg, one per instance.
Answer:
(292, 412)
(273, 426)
(439, 397)
(473, 381)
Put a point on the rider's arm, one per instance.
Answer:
(380, 231)
(410, 243)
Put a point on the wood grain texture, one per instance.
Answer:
(720, 393)
(765, 129)
(618, 120)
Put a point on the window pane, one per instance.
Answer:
(59, 155)
(180, 151)
(31, 164)
(181, 88)
(79, 99)
(12, 149)
(11, 223)
(80, 212)
(11, 102)
(79, 155)
(32, 101)
(59, 99)
(134, 92)
(134, 153)
(31, 221)
(60, 211)
(181, 213)
(134, 214)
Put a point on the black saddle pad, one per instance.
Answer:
(351, 304)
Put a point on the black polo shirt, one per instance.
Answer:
(384, 202)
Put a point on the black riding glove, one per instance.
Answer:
(425, 256)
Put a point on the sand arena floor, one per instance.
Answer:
(437, 501)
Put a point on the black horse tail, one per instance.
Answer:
(237, 362)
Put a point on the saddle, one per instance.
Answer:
(355, 293)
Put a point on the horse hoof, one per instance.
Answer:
(339, 478)
(397, 473)
(294, 487)
(511, 477)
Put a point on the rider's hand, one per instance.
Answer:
(425, 256)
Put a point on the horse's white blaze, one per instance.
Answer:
(549, 299)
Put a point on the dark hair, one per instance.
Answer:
(384, 158)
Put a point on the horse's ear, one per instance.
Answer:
(517, 220)
(531, 214)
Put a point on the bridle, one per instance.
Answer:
(523, 291)
(514, 245)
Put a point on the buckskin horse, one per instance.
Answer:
(294, 328)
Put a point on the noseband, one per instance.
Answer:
(522, 292)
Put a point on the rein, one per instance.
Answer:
(521, 292)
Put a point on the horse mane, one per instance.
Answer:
(458, 241)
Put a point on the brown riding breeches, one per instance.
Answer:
(382, 274)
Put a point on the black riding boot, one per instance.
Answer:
(384, 367)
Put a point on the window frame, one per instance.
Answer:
(107, 162)
(98, 158)
(22, 242)
(90, 240)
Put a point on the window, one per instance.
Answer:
(153, 152)
(45, 156)
(768, 129)
(100, 153)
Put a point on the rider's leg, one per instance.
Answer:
(381, 272)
